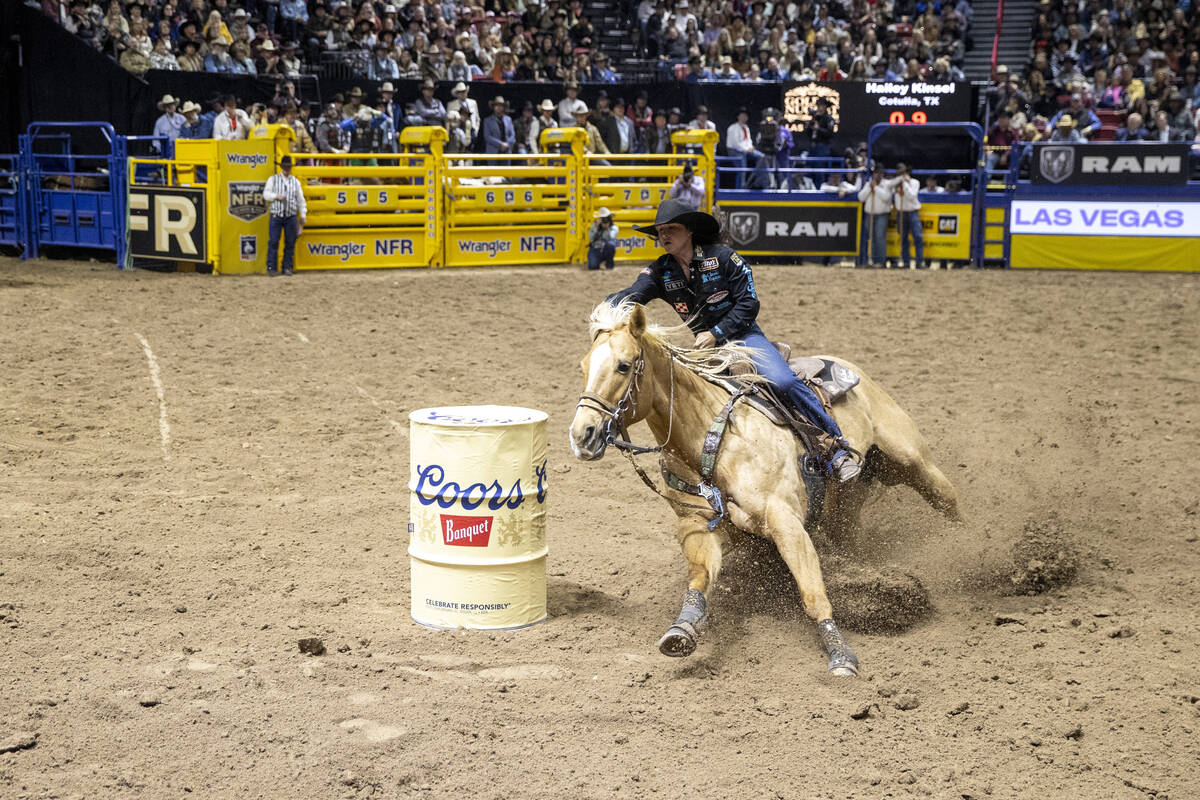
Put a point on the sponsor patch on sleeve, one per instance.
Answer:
(736, 259)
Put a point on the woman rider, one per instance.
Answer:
(711, 288)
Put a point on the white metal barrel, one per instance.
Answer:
(477, 511)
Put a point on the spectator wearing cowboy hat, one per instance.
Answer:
(189, 58)
(543, 121)
(726, 72)
(216, 106)
(303, 142)
(284, 196)
(523, 129)
(232, 123)
(627, 140)
(656, 139)
(289, 62)
(218, 59)
(268, 59)
(739, 143)
(350, 110)
(467, 108)
(388, 105)
(702, 121)
(429, 107)
(1064, 130)
(382, 67)
(330, 138)
(602, 237)
(499, 136)
(194, 125)
(171, 121)
(1085, 120)
(600, 73)
(433, 65)
(566, 106)
(594, 144)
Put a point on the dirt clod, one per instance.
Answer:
(312, 646)
(875, 599)
(21, 740)
(1044, 558)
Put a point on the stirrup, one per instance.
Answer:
(846, 468)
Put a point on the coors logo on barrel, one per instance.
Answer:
(466, 531)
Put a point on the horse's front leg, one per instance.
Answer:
(794, 545)
(702, 550)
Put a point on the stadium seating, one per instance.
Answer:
(590, 41)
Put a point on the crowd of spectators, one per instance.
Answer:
(1099, 70)
(532, 40)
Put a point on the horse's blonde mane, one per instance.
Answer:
(710, 361)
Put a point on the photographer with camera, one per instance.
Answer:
(775, 143)
(602, 237)
(688, 187)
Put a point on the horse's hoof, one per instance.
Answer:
(843, 667)
(677, 643)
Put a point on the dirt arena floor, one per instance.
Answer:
(160, 562)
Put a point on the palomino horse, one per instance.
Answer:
(634, 374)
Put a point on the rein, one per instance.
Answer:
(615, 424)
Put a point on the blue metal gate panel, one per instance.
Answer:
(12, 203)
(76, 175)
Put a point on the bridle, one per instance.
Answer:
(616, 431)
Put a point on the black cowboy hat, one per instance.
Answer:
(678, 211)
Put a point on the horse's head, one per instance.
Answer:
(611, 369)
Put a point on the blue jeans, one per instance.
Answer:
(745, 160)
(771, 365)
(601, 255)
(288, 226)
(910, 225)
(875, 240)
(821, 151)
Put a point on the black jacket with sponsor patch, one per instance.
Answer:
(719, 297)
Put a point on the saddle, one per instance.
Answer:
(830, 381)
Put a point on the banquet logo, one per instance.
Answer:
(466, 531)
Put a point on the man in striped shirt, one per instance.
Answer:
(285, 199)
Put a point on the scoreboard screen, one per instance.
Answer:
(857, 105)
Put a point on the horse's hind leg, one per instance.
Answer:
(786, 529)
(702, 549)
(908, 460)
